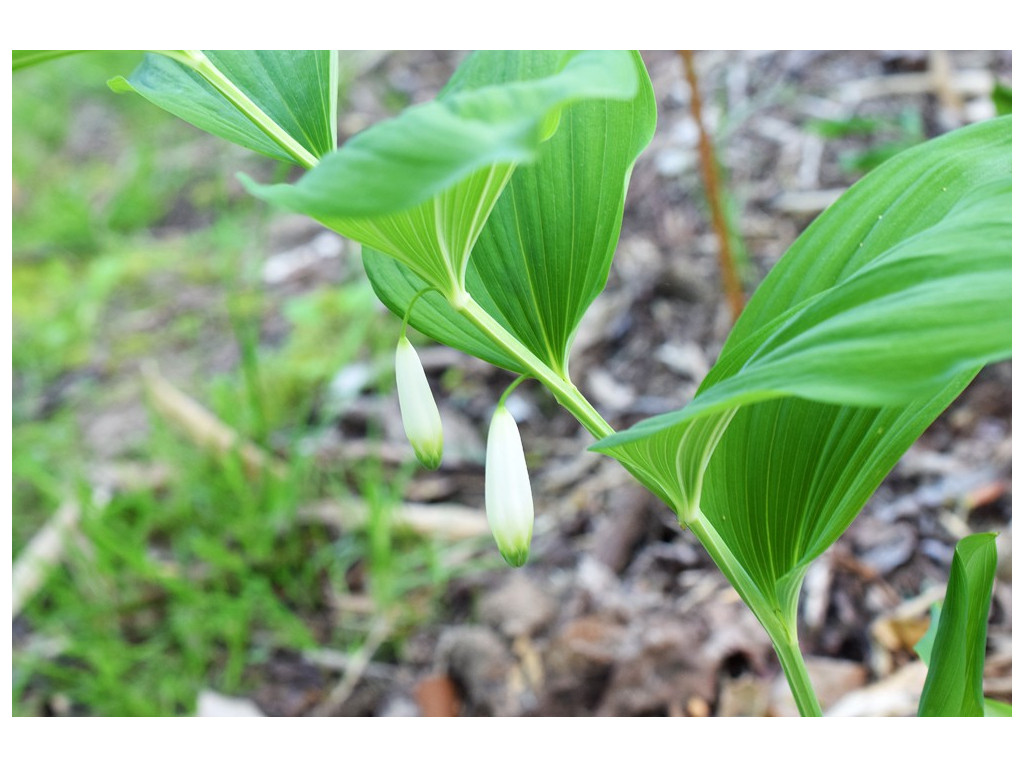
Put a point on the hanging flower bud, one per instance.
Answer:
(420, 417)
(508, 497)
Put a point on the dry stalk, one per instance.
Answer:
(447, 521)
(354, 670)
(47, 548)
(202, 427)
(42, 553)
(712, 188)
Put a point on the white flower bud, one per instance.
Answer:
(420, 416)
(507, 494)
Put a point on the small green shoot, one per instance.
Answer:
(954, 646)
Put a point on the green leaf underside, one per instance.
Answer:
(857, 340)
(548, 246)
(296, 89)
(420, 187)
(440, 232)
(807, 470)
(396, 285)
(546, 249)
(956, 663)
(400, 163)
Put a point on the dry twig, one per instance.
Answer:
(355, 669)
(448, 521)
(202, 427)
(42, 553)
(712, 187)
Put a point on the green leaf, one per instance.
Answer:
(923, 648)
(23, 59)
(873, 322)
(1002, 98)
(396, 285)
(266, 101)
(545, 252)
(548, 246)
(994, 708)
(956, 665)
(419, 188)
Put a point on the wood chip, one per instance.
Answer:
(213, 704)
(893, 696)
(975, 83)
(436, 697)
(620, 530)
(809, 202)
(447, 521)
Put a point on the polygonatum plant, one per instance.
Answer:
(489, 217)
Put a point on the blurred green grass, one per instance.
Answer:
(120, 211)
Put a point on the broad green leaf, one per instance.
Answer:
(295, 90)
(546, 249)
(873, 322)
(396, 285)
(419, 188)
(956, 661)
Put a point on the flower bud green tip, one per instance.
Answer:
(420, 416)
(507, 493)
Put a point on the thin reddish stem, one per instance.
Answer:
(712, 187)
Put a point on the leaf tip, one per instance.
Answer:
(120, 84)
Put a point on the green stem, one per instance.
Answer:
(511, 388)
(565, 391)
(796, 674)
(408, 310)
(782, 632)
(199, 62)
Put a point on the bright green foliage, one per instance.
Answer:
(1002, 98)
(991, 707)
(419, 188)
(954, 647)
(923, 648)
(994, 708)
(546, 250)
(23, 59)
(297, 90)
(879, 315)
(396, 285)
